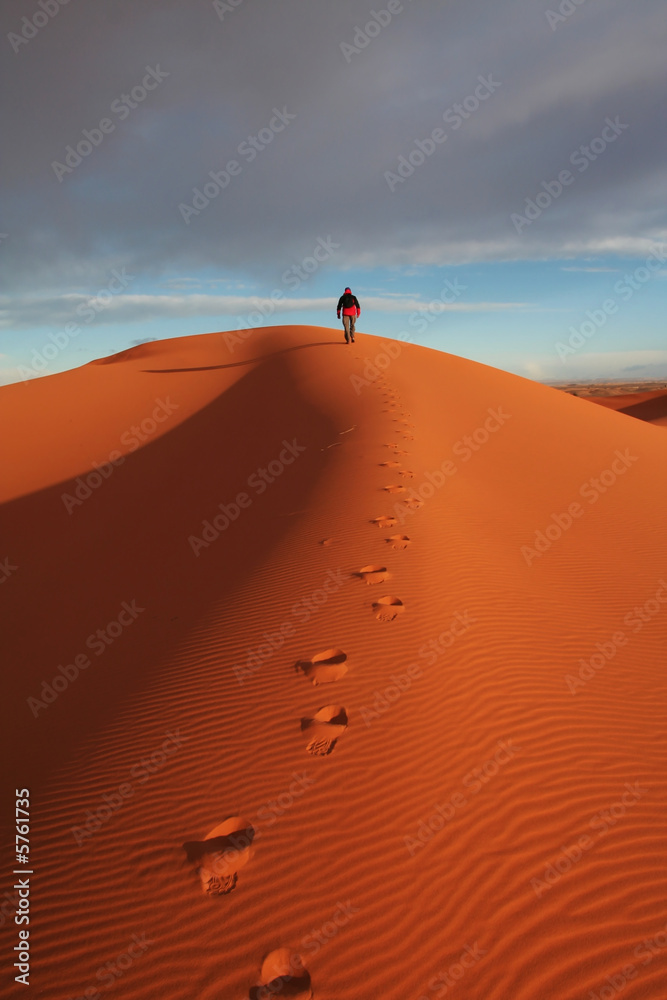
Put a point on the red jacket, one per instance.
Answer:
(349, 303)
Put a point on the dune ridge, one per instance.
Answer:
(433, 851)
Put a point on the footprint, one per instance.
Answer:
(324, 729)
(400, 451)
(408, 437)
(373, 574)
(413, 503)
(392, 444)
(391, 465)
(398, 541)
(283, 974)
(327, 542)
(388, 608)
(384, 521)
(406, 474)
(394, 489)
(221, 855)
(324, 668)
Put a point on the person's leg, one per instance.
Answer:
(346, 325)
(353, 320)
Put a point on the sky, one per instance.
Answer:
(489, 178)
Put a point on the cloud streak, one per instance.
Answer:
(34, 311)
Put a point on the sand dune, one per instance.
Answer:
(650, 406)
(335, 671)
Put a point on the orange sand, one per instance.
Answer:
(363, 710)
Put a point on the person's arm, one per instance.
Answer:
(339, 306)
(356, 302)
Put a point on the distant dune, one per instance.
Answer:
(642, 400)
(335, 671)
(650, 406)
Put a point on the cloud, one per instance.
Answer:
(183, 283)
(592, 270)
(29, 311)
(324, 174)
(641, 365)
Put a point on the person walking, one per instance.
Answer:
(349, 303)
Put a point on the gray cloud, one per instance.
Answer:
(324, 173)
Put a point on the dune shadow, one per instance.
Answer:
(238, 364)
(650, 409)
(129, 542)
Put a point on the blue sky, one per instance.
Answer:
(188, 160)
(511, 315)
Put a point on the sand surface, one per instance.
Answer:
(393, 726)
